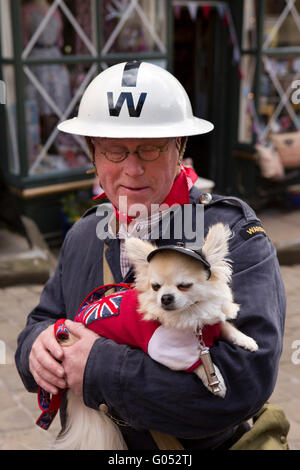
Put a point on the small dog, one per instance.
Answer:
(185, 293)
(181, 289)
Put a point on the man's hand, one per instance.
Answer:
(43, 365)
(75, 356)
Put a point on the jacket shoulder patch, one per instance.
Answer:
(252, 229)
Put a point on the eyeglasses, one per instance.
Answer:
(145, 152)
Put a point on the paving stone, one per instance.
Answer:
(6, 400)
(30, 439)
(15, 418)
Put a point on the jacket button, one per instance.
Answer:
(205, 198)
(103, 407)
(283, 439)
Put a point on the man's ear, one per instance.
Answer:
(178, 143)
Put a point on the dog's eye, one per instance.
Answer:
(155, 287)
(184, 286)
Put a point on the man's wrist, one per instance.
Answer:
(91, 387)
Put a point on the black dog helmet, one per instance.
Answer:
(180, 248)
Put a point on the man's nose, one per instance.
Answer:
(133, 165)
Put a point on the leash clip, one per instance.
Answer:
(204, 354)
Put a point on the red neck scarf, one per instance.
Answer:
(179, 193)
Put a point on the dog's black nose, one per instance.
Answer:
(167, 299)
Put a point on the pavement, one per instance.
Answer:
(283, 228)
(23, 262)
(19, 294)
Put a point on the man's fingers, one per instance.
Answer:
(52, 345)
(42, 357)
(53, 378)
(40, 379)
(77, 329)
(49, 370)
(46, 370)
(46, 385)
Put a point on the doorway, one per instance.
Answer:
(194, 67)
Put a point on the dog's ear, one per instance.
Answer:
(215, 250)
(138, 250)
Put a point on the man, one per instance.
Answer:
(132, 115)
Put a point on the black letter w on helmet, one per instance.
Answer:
(114, 110)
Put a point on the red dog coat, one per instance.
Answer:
(116, 317)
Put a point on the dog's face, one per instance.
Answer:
(175, 281)
(175, 289)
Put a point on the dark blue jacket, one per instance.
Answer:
(145, 394)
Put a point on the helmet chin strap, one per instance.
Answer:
(181, 153)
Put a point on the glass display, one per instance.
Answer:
(277, 111)
(52, 29)
(282, 23)
(134, 27)
(46, 105)
(51, 32)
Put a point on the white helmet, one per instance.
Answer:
(135, 99)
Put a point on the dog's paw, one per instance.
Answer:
(250, 344)
(245, 342)
(220, 390)
(231, 334)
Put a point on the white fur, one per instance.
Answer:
(207, 302)
(88, 429)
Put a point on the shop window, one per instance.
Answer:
(276, 110)
(62, 46)
(46, 104)
(52, 90)
(52, 28)
(266, 106)
(281, 24)
(134, 27)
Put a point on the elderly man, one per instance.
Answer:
(132, 116)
